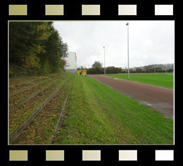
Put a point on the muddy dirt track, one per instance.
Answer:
(157, 98)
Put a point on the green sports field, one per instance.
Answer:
(97, 114)
(158, 79)
(94, 113)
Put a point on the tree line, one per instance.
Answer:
(35, 48)
(150, 69)
(98, 69)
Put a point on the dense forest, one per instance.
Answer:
(35, 48)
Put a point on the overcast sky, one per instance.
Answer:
(150, 42)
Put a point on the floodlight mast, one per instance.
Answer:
(104, 60)
(128, 48)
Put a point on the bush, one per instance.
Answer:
(16, 71)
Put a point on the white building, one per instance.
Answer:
(71, 62)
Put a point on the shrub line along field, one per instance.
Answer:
(157, 79)
(85, 111)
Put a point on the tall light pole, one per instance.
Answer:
(104, 60)
(128, 48)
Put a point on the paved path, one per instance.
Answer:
(160, 99)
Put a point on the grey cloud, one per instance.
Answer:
(150, 41)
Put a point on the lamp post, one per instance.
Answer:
(128, 48)
(104, 60)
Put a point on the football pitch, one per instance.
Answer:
(157, 79)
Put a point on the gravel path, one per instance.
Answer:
(160, 99)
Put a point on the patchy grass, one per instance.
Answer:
(158, 79)
(42, 127)
(97, 114)
(21, 112)
(26, 92)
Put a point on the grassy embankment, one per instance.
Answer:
(97, 114)
(42, 127)
(158, 79)
(39, 93)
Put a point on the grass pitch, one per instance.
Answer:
(97, 114)
(158, 79)
(94, 114)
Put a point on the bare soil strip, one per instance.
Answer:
(157, 98)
